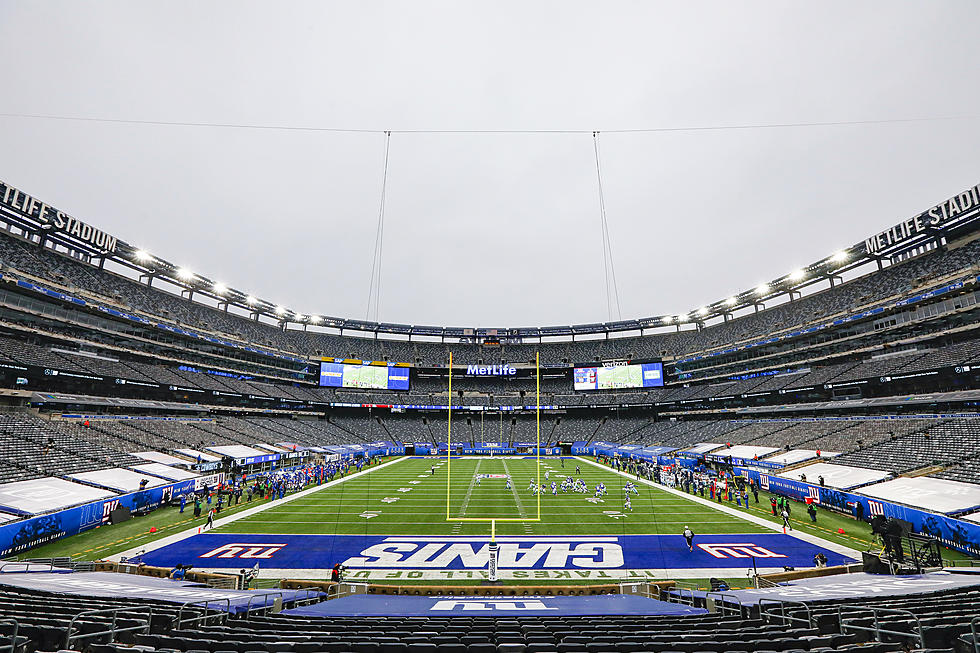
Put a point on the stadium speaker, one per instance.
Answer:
(120, 514)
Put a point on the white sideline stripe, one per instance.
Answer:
(759, 521)
(183, 535)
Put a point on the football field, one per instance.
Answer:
(390, 523)
(409, 499)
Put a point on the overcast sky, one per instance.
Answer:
(491, 229)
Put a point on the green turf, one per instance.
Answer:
(407, 499)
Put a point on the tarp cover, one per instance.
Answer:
(122, 480)
(408, 606)
(165, 471)
(160, 457)
(237, 451)
(108, 584)
(928, 493)
(703, 447)
(745, 451)
(841, 477)
(798, 456)
(46, 495)
(847, 586)
(195, 454)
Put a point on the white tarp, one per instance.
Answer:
(841, 477)
(928, 493)
(799, 455)
(165, 471)
(47, 495)
(745, 451)
(973, 516)
(194, 454)
(271, 447)
(237, 451)
(122, 480)
(159, 457)
(703, 447)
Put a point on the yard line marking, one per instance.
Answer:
(466, 500)
(517, 498)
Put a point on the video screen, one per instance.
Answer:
(376, 377)
(644, 375)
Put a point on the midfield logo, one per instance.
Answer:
(244, 550)
(723, 551)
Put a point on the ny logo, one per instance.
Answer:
(739, 551)
(486, 606)
(246, 550)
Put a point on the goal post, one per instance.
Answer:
(449, 453)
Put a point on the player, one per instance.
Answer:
(629, 506)
(508, 486)
(547, 474)
(578, 471)
(602, 488)
(479, 477)
(554, 489)
(689, 536)
(530, 486)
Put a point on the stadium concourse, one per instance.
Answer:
(843, 396)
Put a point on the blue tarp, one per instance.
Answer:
(364, 605)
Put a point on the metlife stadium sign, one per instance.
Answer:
(23, 203)
(490, 370)
(955, 208)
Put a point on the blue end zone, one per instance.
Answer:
(423, 606)
(234, 551)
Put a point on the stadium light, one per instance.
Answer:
(762, 289)
(300, 317)
(682, 318)
(184, 273)
(839, 257)
(315, 319)
(731, 301)
(703, 311)
(250, 300)
(142, 255)
(797, 275)
(219, 288)
(280, 310)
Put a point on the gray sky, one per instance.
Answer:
(491, 229)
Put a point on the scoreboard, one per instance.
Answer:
(615, 377)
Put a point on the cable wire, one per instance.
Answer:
(375, 289)
(355, 130)
(609, 267)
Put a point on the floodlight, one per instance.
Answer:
(300, 317)
(219, 288)
(250, 300)
(681, 318)
(731, 301)
(185, 274)
(142, 255)
(762, 289)
(280, 310)
(839, 257)
(703, 310)
(315, 319)
(797, 275)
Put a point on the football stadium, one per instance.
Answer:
(188, 466)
